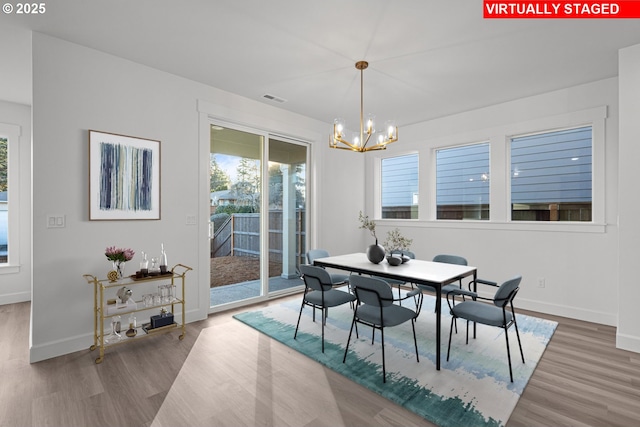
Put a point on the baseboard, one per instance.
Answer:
(609, 319)
(628, 342)
(15, 298)
(81, 342)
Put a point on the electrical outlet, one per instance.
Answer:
(191, 220)
(541, 282)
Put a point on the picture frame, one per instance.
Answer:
(124, 177)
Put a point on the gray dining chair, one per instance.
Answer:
(447, 259)
(398, 283)
(319, 294)
(336, 278)
(375, 307)
(499, 312)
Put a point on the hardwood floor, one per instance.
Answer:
(581, 380)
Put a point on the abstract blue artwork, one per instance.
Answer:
(124, 177)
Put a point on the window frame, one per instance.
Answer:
(13, 134)
(595, 118)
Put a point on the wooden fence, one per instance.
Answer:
(240, 236)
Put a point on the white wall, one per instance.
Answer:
(77, 89)
(628, 335)
(15, 280)
(579, 264)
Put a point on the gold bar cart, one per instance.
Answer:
(102, 287)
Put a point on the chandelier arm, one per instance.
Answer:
(367, 140)
(351, 146)
(347, 148)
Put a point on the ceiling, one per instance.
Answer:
(427, 58)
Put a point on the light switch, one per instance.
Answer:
(55, 221)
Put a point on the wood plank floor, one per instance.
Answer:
(582, 380)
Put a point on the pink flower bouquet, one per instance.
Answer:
(119, 254)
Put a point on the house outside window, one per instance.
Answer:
(462, 182)
(399, 179)
(551, 176)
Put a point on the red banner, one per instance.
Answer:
(493, 9)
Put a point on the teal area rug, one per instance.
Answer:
(472, 389)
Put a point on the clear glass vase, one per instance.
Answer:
(119, 267)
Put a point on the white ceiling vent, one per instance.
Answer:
(274, 98)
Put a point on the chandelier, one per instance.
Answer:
(360, 141)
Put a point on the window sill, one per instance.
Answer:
(9, 269)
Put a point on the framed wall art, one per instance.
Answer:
(124, 177)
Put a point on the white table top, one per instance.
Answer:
(416, 271)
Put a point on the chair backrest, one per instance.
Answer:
(370, 290)
(315, 277)
(507, 291)
(316, 253)
(407, 253)
(450, 259)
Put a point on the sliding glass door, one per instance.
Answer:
(257, 214)
(287, 213)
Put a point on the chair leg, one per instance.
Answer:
(299, 316)
(518, 335)
(352, 304)
(506, 336)
(346, 349)
(468, 332)
(415, 341)
(453, 319)
(384, 371)
(454, 303)
(324, 320)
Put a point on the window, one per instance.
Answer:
(400, 187)
(551, 176)
(4, 207)
(462, 182)
(9, 200)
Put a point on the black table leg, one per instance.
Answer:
(438, 316)
(475, 289)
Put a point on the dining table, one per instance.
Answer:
(430, 274)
